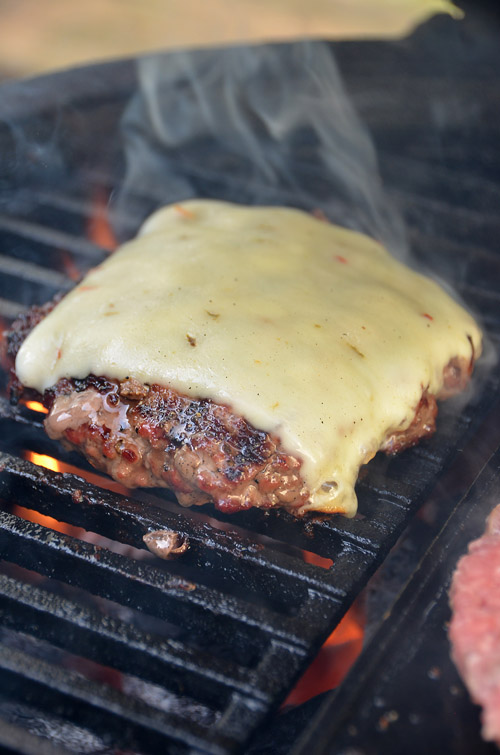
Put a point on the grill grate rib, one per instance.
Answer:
(52, 238)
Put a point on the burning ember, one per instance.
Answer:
(36, 406)
(334, 659)
(55, 465)
(47, 521)
(99, 228)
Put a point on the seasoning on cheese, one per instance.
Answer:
(310, 331)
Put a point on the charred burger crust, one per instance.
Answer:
(67, 386)
(456, 375)
(24, 324)
(423, 425)
(200, 449)
(14, 338)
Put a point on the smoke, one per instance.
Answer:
(267, 124)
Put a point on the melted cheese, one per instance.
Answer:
(311, 331)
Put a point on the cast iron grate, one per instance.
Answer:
(106, 647)
(405, 680)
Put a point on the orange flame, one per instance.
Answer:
(59, 466)
(36, 406)
(44, 461)
(334, 659)
(99, 228)
(313, 558)
(70, 267)
(31, 515)
(34, 516)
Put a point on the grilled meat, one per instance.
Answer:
(475, 626)
(152, 436)
(270, 355)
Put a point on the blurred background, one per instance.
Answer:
(37, 37)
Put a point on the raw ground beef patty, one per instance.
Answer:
(475, 626)
(153, 436)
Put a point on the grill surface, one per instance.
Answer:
(405, 694)
(105, 647)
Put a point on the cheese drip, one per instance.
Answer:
(310, 331)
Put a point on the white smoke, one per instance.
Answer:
(265, 124)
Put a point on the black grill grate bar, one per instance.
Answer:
(143, 587)
(28, 271)
(454, 253)
(41, 234)
(68, 203)
(82, 207)
(239, 720)
(235, 559)
(399, 493)
(462, 222)
(18, 739)
(432, 180)
(414, 144)
(487, 302)
(61, 688)
(112, 642)
(19, 416)
(11, 309)
(400, 107)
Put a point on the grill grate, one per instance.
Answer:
(408, 672)
(106, 647)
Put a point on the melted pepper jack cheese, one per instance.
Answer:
(310, 331)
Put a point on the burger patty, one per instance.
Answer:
(475, 626)
(153, 436)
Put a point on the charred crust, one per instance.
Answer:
(24, 324)
(423, 425)
(199, 449)
(131, 388)
(14, 338)
(197, 423)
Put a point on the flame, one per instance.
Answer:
(313, 558)
(70, 267)
(36, 406)
(334, 659)
(55, 465)
(44, 461)
(31, 515)
(34, 516)
(99, 228)
(49, 462)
